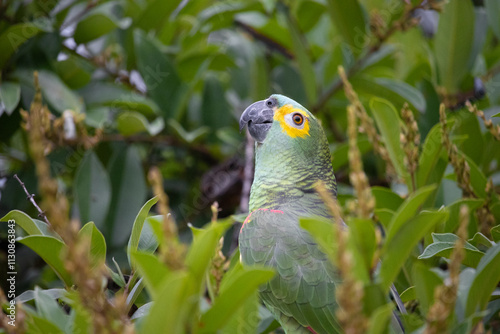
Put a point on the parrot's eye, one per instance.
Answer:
(270, 103)
(298, 119)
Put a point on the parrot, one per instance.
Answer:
(291, 155)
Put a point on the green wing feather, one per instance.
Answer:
(302, 294)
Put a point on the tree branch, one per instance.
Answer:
(31, 198)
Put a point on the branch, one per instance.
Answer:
(41, 214)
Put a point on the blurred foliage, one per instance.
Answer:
(140, 83)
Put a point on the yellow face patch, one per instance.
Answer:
(289, 119)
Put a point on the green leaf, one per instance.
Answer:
(348, 18)
(380, 319)
(92, 190)
(137, 228)
(188, 137)
(340, 152)
(242, 284)
(433, 160)
(159, 74)
(152, 270)
(131, 122)
(155, 13)
(57, 94)
(492, 8)
(128, 195)
(408, 210)
(10, 95)
(386, 198)
(99, 21)
(38, 324)
(453, 43)
(425, 281)
(115, 96)
(142, 311)
(24, 221)
(13, 37)
(495, 233)
(97, 244)
(50, 250)
(362, 239)
(49, 309)
(444, 244)
(485, 281)
(397, 249)
(408, 295)
(480, 241)
(387, 117)
(454, 209)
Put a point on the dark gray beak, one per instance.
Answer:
(259, 118)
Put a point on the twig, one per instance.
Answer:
(31, 198)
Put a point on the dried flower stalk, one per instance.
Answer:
(493, 129)
(410, 140)
(350, 292)
(445, 295)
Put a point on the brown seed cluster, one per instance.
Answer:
(410, 140)
(493, 129)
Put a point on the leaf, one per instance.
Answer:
(97, 251)
(130, 123)
(454, 209)
(128, 193)
(339, 153)
(137, 228)
(485, 281)
(99, 21)
(49, 309)
(362, 239)
(24, 221)
(57, 94)
(188, 137)
(242, 284)
(348, 18)
(92, 190)
(114, 96)
(142, 311)
(386, 117)
(495, 233)
(13, 37)
(408, 210)
(408, 295)
(432, 162)
(492, 8)
(159, 74)
(397, 249)
(10, 95)
(152, 270)
(386, 198)
(443, 245)
(425, 281)
(380, 319)
(50, 250)
(155, 13)
(480, 241)
(453, 43)
(28, 295)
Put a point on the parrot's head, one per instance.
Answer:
(292, 151)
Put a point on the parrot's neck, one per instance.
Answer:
(288, 175)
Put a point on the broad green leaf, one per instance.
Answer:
(323, 232)
(137, 228)
(130, 123)
(467, 135)
(480, 241)
(397, 249)
(425, 281)
(493, 14)
(349, 19)
(152, 270)
(203, 247)
(10, 95)
(92, 190)
(454, 209)
(408, 210)
(13, 37)
(24, 221)
(128, 193)
(215, 111)
(50, 250)
(159, 74)
(363, 245)
(495, 233)
(155, 13)
(116, 96)
(99, 21)
(74, 71)
(28, 295)
(142, 311)
(57, 94)
(340, 152)
(387, 120)
(443, 245)
(49, 309)
(188, 137)
(485, 281)
(380, 319)
(176, 302)
(432, 162)
(478, 180)
(386, 198)
(385, 216)
(243, 284)
(97, 243)
(408, 295)
(37, 324)
(453, 43)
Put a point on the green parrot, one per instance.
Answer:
(291, 156)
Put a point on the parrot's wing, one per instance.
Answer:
(304, 287)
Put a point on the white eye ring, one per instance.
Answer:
(296, 119)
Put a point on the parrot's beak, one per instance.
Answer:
(259, 119)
